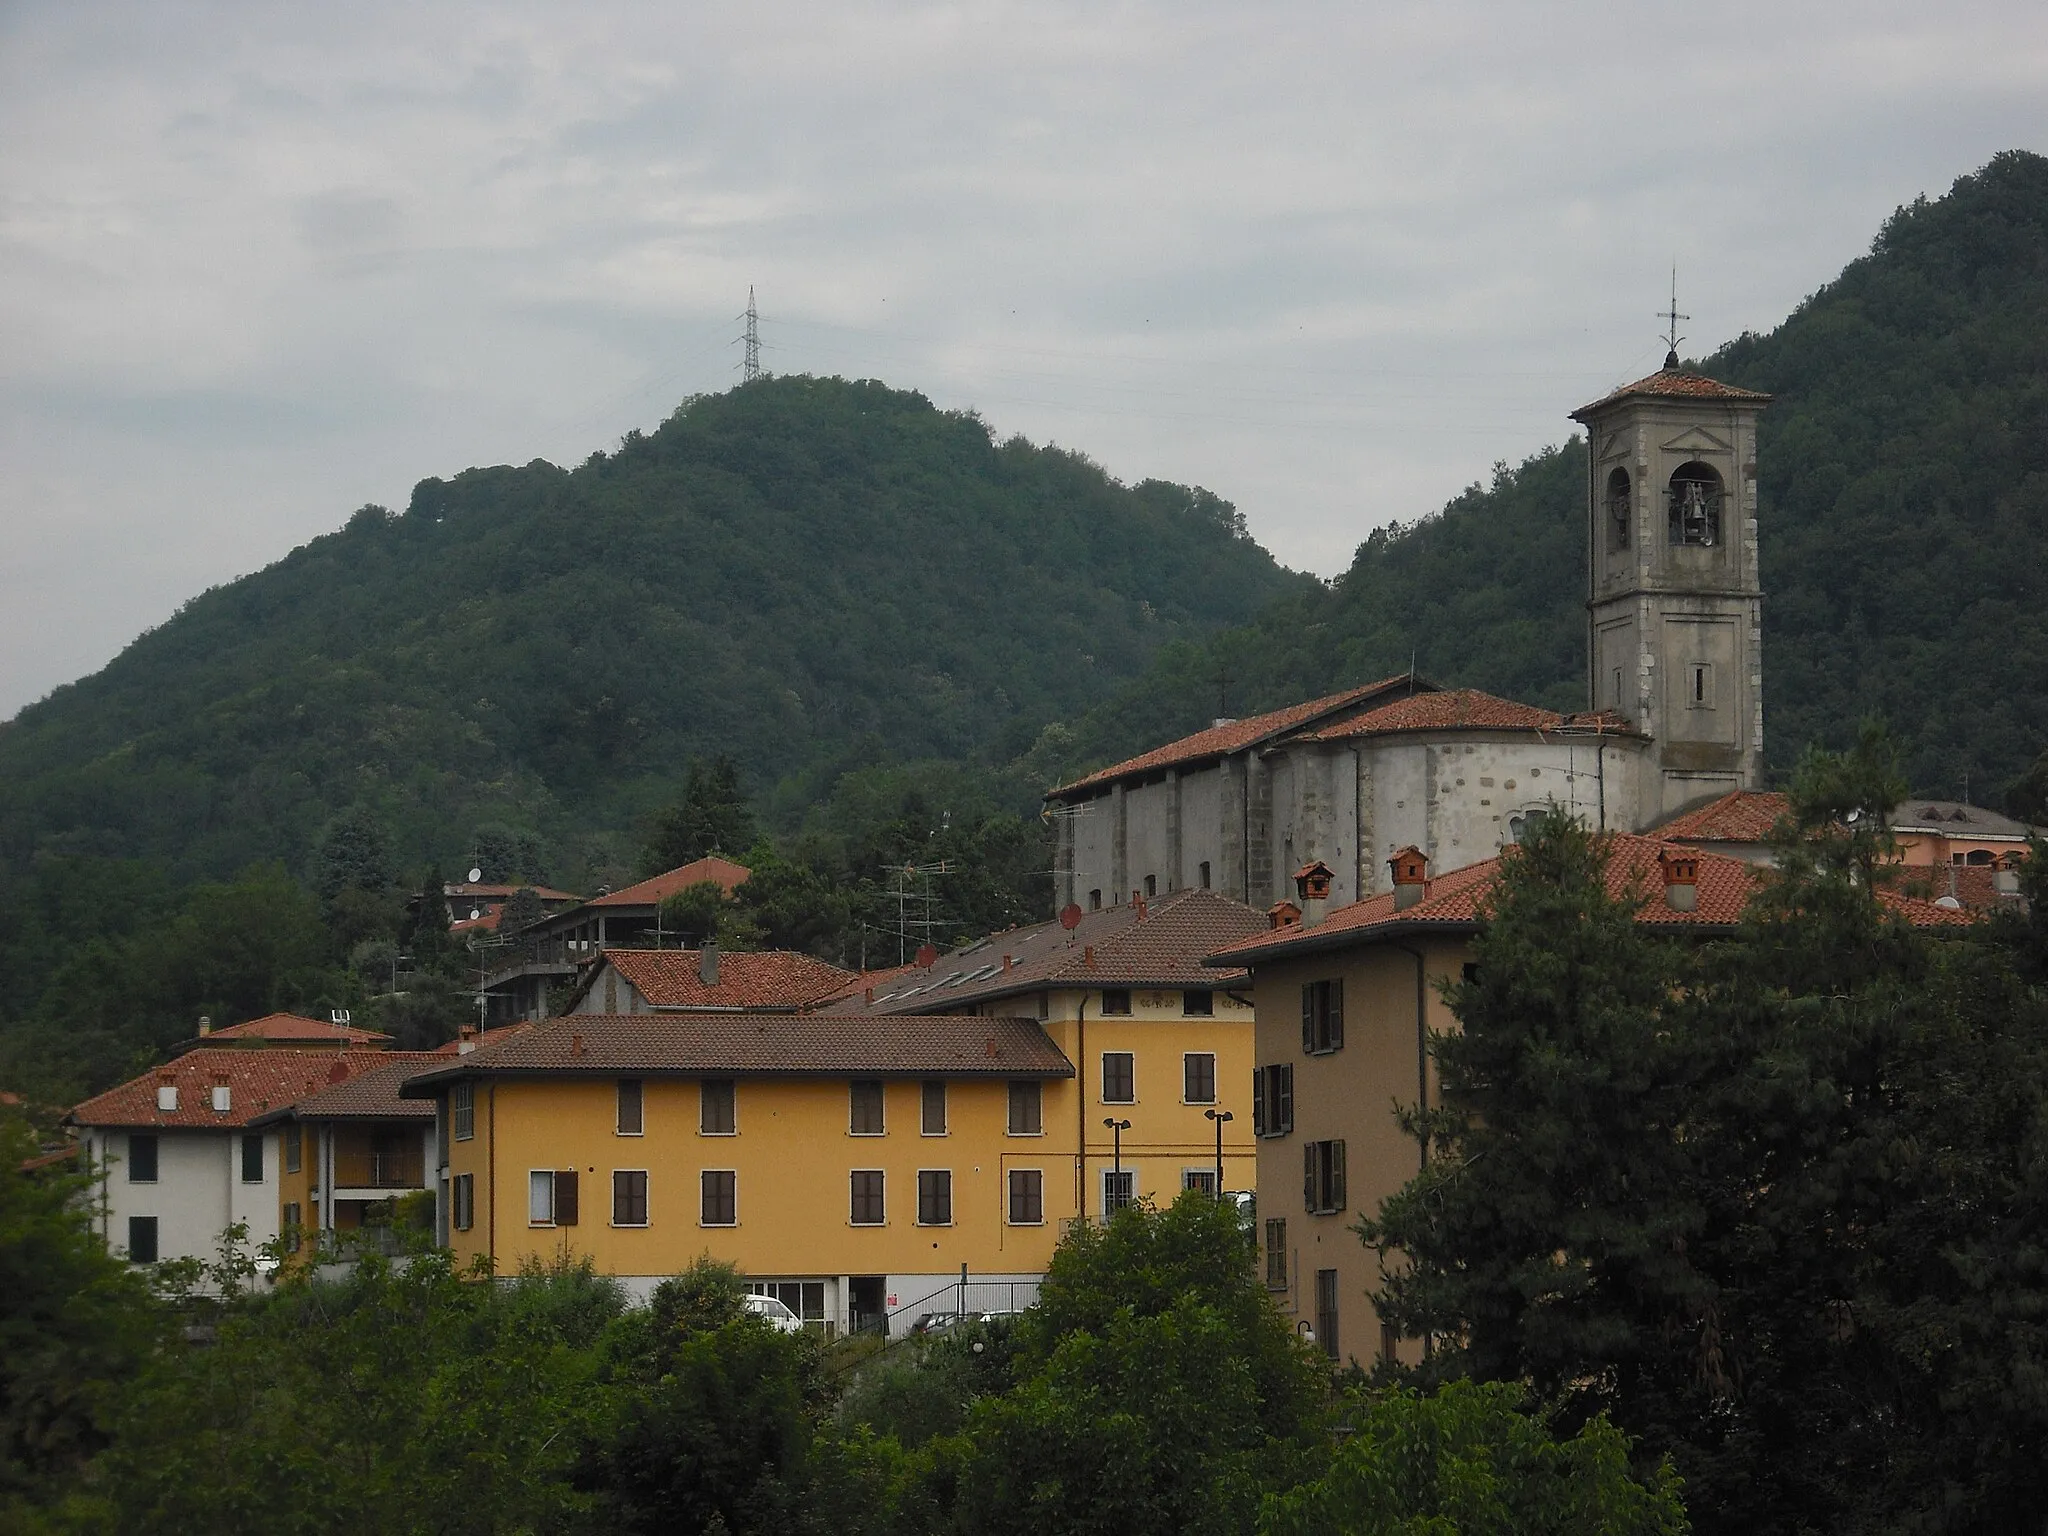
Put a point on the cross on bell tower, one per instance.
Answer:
(1674, 631)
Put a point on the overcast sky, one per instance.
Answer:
(261, 264)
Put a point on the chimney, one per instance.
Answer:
(707, 963)
(869, 995)
(576, 1046)
(167, 1093)
(1411, 877)
(1138, 901)
(205, 1026)
(1006, 962)
(1681, 867)
(1220, 721)
(1283, 914)
(223, 1096)
(1088, 956)
(1312, 885)
(465, 1040)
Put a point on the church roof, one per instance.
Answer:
(1676, 383)
(1740, 816)
(1462, 709)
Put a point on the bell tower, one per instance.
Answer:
(1673, 602)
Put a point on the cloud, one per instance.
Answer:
(259, 265)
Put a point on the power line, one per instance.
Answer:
(750, 369)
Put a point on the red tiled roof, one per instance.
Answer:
(1218, 740)
(1452, 902)
(1740, 816)
(488, 1037)
(1157, 943)
(1461, 709)
(296, 1030)
(371, 1094)
(1673, 383)
(258, 1082)
(776, 1045)
(773, 978)
(723, 873)
(487, 891)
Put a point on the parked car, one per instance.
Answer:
(775, 1311)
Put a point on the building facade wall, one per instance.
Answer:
(198, 1193)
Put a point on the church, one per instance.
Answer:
(1673, 716)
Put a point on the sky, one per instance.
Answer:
(261, 265)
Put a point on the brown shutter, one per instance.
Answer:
(1337, 1200)
(1283, 1098)
(565, 1198)
(1308, 1017)
(1308, 1175)
(1337, 1015)
(1258, 1101)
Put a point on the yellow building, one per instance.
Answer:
(850, 1165)
(351, 1144)
(1163, 1042)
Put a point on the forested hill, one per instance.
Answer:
(806, 574)
(1904, 525)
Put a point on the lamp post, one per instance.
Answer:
(1117, 1129)
(1219, 1116)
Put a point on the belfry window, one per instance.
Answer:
(1695, 505)
(1620, 509)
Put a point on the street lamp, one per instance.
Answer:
(1219, 1116)
(1117, 1129)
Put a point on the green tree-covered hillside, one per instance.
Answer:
(1904, 486)
(805, 574)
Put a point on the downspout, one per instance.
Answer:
(1081, 1110)
(1600, 778)
(1421, 1044)
(491, 1155)
(1244, 841)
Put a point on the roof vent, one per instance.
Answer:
(1681, 870)
(576, 1046)
(205, 1026)
(707, 963)
(167, 1094)
(1222, 720)
(1088, 956)
(1411, 877)
(869, 995)
(223, 1096)
(1283, 914)
(1138, 903)
(465, 1040)
(1312, 885)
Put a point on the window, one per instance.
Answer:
(1390, 1342)
(141, 1159)
(1044, 1006)
(1198, 1003)
(1203, 874)
(540, 1197)
(1326, 1311)
(1276, 1253)
(629, 1197)
(252, 1159)
(864, 1117)
(1116, 1000)
(463, 1198)
(1027, 1197)
(1694, 505)
(1118, 1190)
(167, 1097)
(1322, 1177)
(935, 1197)
(463, 1097)
(294, 1144)
(867, 1208)
(720, 1196)
(1322, 1017)
(1203, 1179)
(1273, 1100)
(1699, 685)
(1616, 700)
(717, 1114)
(142, 1239)
(1151, 886)
(632, 1110)
(291, 1226)
(223, 1098)
(932, 1108)
(1198, 1077)
(1027, 1106)
(1620, 509)
(1095, 901)
(1119, 1078)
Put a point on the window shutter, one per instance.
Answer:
(565, 1198)
(1308, 1175)
(1283, 1097)
(1258, 1101)
(1308, 1017)
(1337, 1015)
(1337, 1200)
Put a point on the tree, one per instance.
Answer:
(698, 912)
(1472, 1458)
(2026, 798)
(522, 907)
(711, 817)
(353, 854)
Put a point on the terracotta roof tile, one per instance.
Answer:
(1219, 740)
(1452, 901)
(773, 978)
(723, 873)
(488, 891)
(488, 1037)
(1157, 943)
(1672, 382)
(257, 1081)
(774, 1045)
(1741, 816)
(294, 1030)
(371, 1094)
(1461, 709)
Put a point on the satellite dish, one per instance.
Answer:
(474, 876)
(475, 913)
(927, 956)
(1070, 916)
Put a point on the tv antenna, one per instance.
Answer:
(1670, 317)
(750, 367)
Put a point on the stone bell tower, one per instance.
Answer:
(1674, 606)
